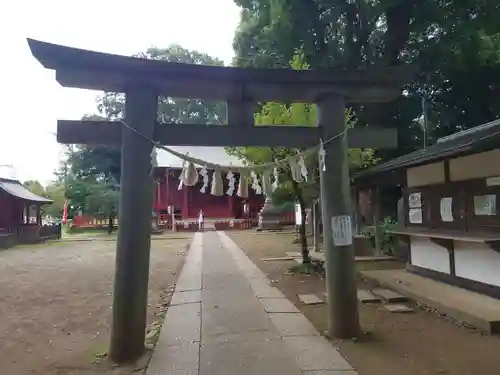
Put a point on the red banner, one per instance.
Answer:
(65, 212)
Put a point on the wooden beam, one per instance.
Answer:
(109, 133)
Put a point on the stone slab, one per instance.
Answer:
(398, 308)
(366, 296)
(266, 291)
(182, 324)
(298, 260)
(290, 324)
(188, 296)
(277, 259)
(236, 316)
(368, 258)
(389, 295)
(330, 372)
(315, 353)
(278, 305)
(247, 354)
(293, 254)
(310, 299)
(477, 310)
(180, 359)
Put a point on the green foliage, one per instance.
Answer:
(77, 191)
(314, 267)
(35, 187)
(102, 200)
(104, 162)
(456, 45)
(299, 114)
(389, 240)
(54, 192)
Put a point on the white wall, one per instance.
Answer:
(475, 166)
(476, 261)
(429, 174)
(427, 254)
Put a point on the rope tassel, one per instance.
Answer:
(190, 175)
(232, 180)
(266, 184)
(204, 174)
(181, 176)
(255, 183)
(322, 155)
(303, 168)
(295, 169)
(243, 186)
(276, 178)
(217, 187)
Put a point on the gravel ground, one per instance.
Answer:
(55, 303)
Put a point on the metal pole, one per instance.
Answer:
(343, 320)
(425, 119)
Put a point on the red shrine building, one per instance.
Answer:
(189, 200)
(20, 216)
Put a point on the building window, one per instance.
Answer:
(485, 205)
(415, 208)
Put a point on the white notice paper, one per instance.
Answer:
(342, 230)
(446, 209)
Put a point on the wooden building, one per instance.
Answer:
(20, 219)
(188, 201)
(450, 208)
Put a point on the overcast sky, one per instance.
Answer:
(30, 99)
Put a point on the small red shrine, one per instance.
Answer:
(189, 200)
(20, 218)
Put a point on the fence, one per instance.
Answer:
(90, 222)
(28, 234)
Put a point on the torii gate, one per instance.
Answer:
(143, 80)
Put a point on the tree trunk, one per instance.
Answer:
(110, 224)
(302, 227)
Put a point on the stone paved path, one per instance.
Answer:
(226, 319)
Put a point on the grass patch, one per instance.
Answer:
(98, 352)
(314, 267)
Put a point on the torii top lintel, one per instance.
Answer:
(101, 71)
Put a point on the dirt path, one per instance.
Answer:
(55, 303)
(419, 343)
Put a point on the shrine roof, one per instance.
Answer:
(16, 189)
(101, 71)
(478, 139)
(214, 155)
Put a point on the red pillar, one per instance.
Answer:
(167, 188)
(185, 207)
(158, 196)
(230, 201)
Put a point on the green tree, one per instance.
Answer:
(301, 114)
(104, 162)
(455, 44)
(102, 202)
(55, 191)
(35, 187)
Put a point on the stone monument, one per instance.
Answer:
(269, 216)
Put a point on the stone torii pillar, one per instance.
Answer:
(143, 80)
(130, 295)
(336, 211)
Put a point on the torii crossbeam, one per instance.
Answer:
(144, 80)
